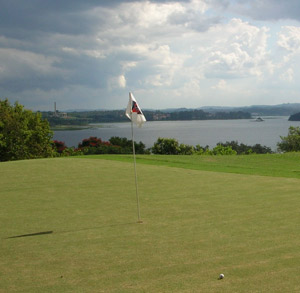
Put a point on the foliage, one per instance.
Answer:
(166, 146)
(67, 152)
(259, 149)
(243, 149)
(291, 142)
(59, 146)
(223, 150)
(91, 142)
(200, 150)
(115, 145)
(54, 121)
(62, 150)
(94, 145)
(23, 134)
(126, 145)
(163, 146)
(170, 146)
(186, 149)
(217, 150)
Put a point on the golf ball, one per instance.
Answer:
(221, 276)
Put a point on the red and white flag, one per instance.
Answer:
(134, 112)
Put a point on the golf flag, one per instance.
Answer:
(134, 113)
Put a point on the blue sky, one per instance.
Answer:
(88, 54)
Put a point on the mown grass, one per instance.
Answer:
(278, 165)
(197, 224)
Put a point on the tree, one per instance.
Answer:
(170, 146)
(116, 145)
(223, 150)
(126, 145)
(59, 146)
(291, 142)
(166, 146)
(243, 149)
(92, 141)
(186, 149)
(23, 134)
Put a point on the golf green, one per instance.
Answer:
(70, 225)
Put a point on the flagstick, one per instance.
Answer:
(136, 185)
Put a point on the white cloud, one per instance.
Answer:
(240, 51)
(117, 82)
(289, 38)
(192, 16)
(97, 54)
(221, 85)
(128, 65)
(288, 75)
(13, 60)
(166, 49)
(122, 81)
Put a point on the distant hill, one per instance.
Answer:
(295, 117)
(261, 110)
(88, 117)
(80, 117)
(276, 110)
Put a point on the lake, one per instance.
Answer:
(203, 132)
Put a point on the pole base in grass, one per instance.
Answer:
(139, 221)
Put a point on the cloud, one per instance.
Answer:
(22, 20)
(117, 82)
(240, 51)
(192, 16)
(221, 85)
(23, 69)
(288, 75)
(289, 38)
(91, 44)
(91, 52)
(268, 9)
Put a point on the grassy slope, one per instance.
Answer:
(197, 225)
(278, 165)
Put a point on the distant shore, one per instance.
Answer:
(70, 127)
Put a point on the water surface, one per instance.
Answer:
(203, 132)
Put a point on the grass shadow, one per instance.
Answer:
(31, 234)
(69, 231)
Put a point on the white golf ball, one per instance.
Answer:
(221, 276)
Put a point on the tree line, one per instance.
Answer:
(26, 135)
(87, 117)
(162, 146)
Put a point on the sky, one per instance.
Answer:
(89, 54)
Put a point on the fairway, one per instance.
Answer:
(69, 225)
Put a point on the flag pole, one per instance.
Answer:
(136, 185)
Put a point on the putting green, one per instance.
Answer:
(76, 222)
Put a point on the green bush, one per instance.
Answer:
(126, 145)
(291, 142)
(23, 134)
(166, 146)
(186, 149)
(116, 145)
(243, 149)
(223, 150)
